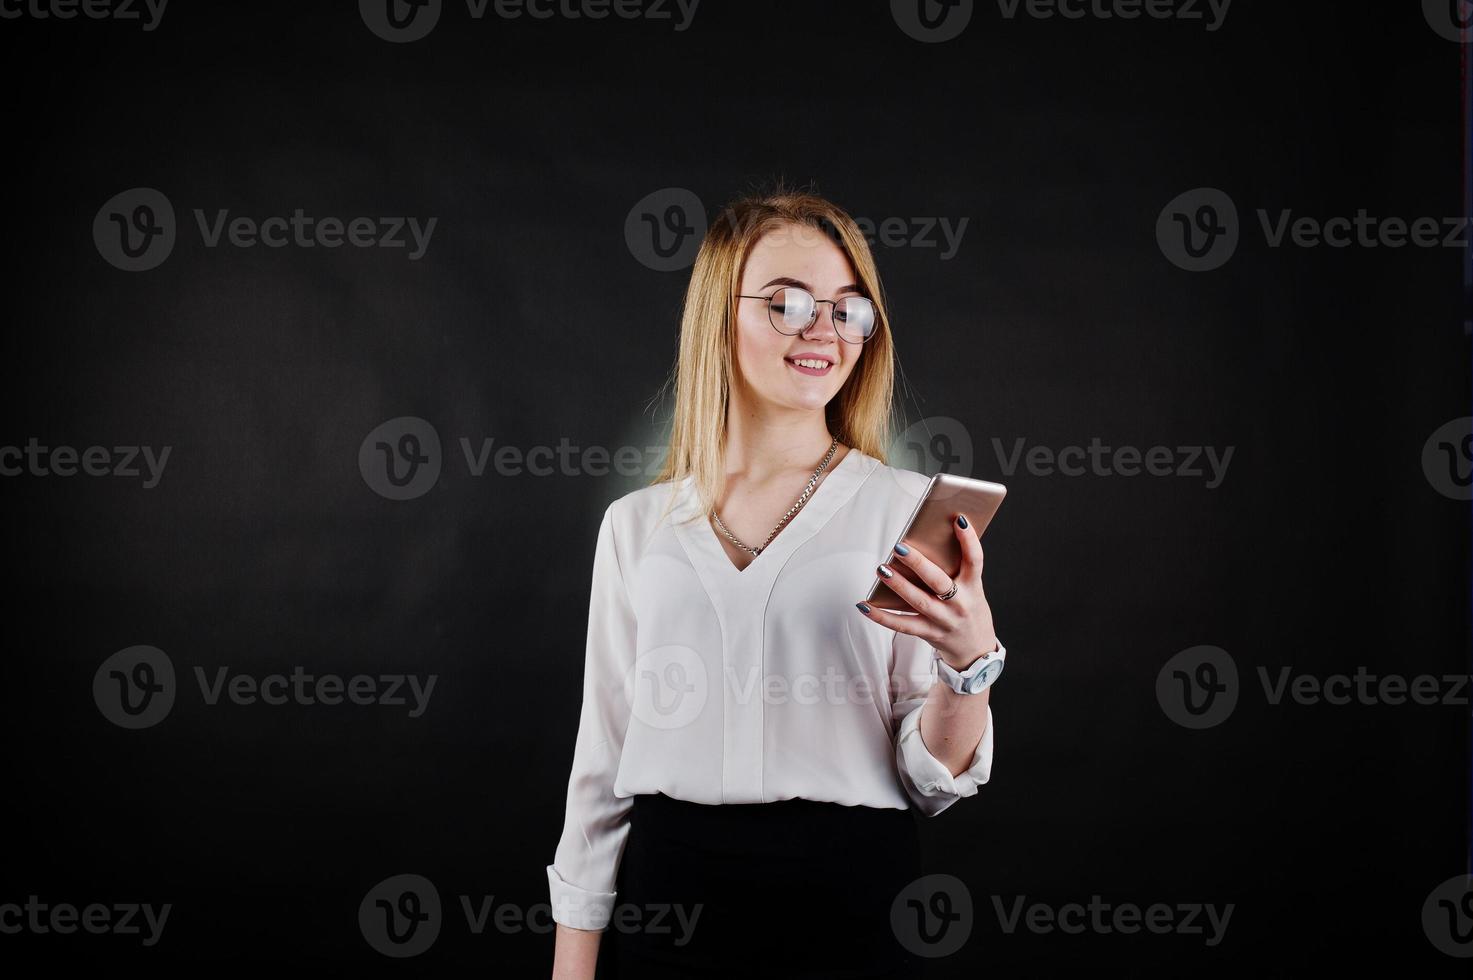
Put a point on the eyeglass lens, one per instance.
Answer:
(792, 310)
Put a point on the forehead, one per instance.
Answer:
(800, 252)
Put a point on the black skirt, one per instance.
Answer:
(796, 888)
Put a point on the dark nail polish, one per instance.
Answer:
(862, 607)
(901, 549)
(961, 520)
(884, 571)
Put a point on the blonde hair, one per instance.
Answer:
(860, 414)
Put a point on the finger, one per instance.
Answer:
(971, 547)
(901, 623)
(923, 601)
(928, 571)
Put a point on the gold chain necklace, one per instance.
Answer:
(802, 499)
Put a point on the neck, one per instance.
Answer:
(760, 444)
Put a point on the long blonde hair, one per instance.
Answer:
(860, 414)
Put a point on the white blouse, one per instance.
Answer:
(718, 685)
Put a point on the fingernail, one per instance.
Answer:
(862, 607)
(901, 549)
(884, 571)
(961, 520)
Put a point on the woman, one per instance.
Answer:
(752, 737)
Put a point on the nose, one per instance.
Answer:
(813, 331)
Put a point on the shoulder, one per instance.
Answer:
(892, 487)
(634, 515)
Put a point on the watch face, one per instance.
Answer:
(985, 676)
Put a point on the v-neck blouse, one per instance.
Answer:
(716, 685)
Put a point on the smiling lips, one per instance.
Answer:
(814, 366)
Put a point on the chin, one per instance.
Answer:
(811, 404)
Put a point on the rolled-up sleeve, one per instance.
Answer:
(925, 778)
(595, 825)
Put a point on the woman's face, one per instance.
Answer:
(794, 255)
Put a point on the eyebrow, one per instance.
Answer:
(789, 281)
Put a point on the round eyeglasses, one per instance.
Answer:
(792, 310)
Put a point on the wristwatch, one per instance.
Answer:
(976, 678)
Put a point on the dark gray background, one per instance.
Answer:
(529, 321)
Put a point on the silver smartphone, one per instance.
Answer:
(929, 529)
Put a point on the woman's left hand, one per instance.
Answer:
(960, 628)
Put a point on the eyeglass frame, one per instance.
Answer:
(833, 303)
